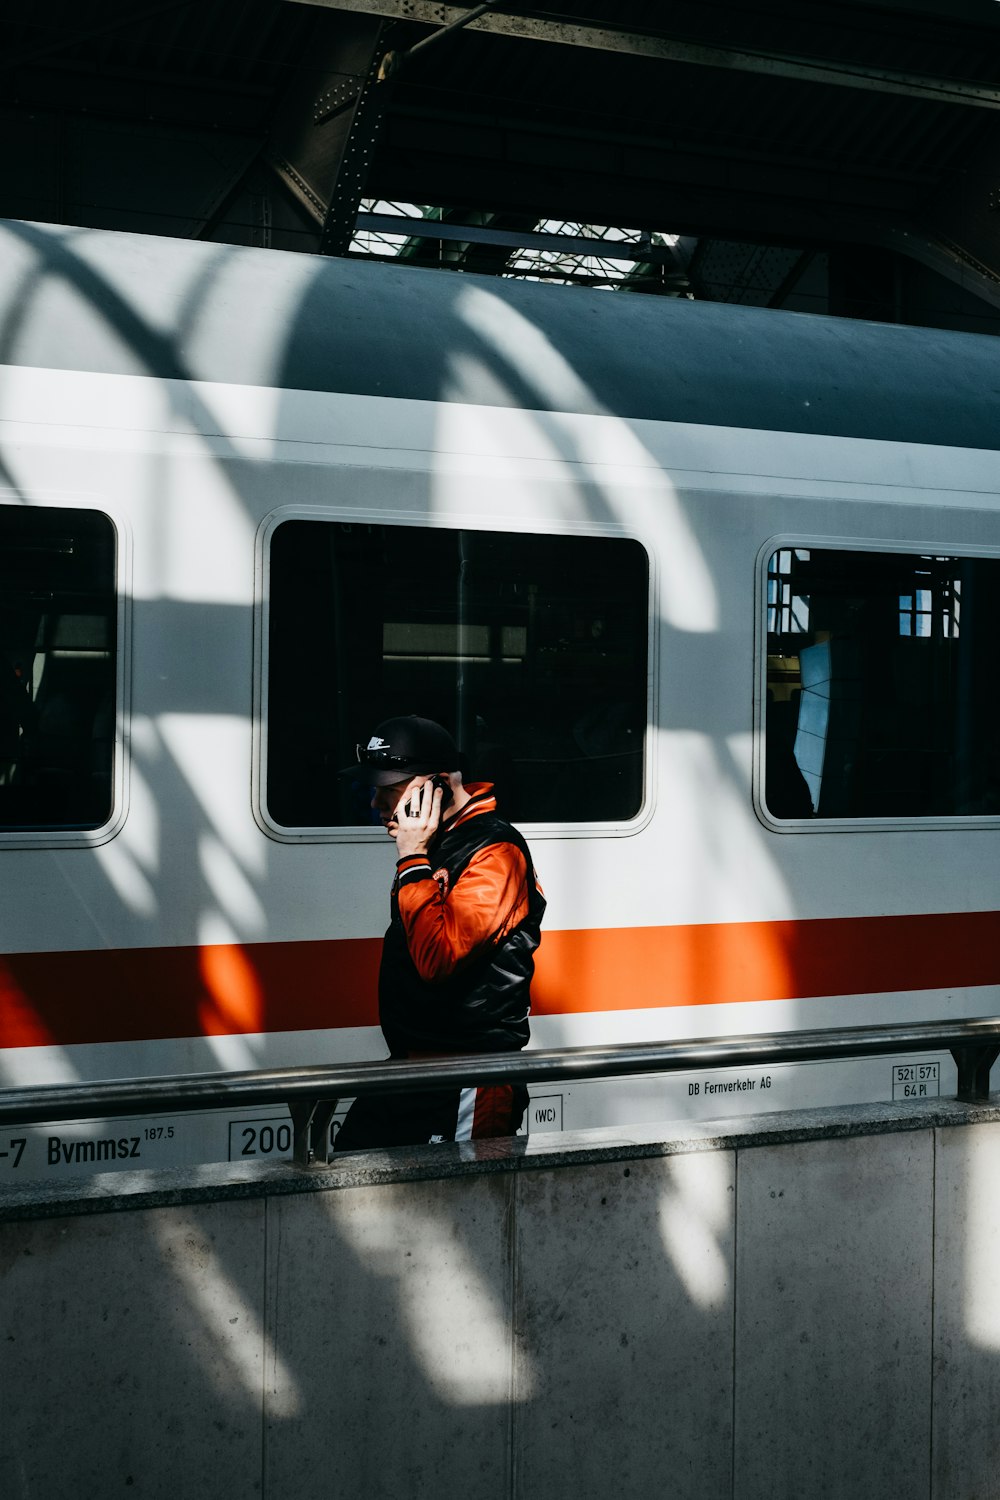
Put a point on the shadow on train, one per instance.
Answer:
(482, 352)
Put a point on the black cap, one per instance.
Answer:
(408, 746)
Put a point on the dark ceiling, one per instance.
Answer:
(840, 157)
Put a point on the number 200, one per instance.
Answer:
(266, 1140)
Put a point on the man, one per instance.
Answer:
(457, 958)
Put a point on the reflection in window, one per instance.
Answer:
(883, 702)
(58, 618)
(930, 601)
(787, 612)
(530, 649)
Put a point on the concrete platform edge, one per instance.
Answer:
(117, 1192)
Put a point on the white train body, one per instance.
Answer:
(190, 930)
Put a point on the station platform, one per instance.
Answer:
(795, 1305)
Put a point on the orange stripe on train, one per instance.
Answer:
(142, 994)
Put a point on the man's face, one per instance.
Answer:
(387, 799)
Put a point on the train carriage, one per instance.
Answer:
(710, 594)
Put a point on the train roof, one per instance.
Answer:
(86, 299)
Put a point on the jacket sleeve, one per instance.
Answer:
(443, 927)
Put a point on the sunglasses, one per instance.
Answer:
(368, 757)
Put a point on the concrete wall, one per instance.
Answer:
(778, 1311)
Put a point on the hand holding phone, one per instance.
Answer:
(421, 817)
(440, 784)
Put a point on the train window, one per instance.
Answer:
(58, 623)
(530, 649)
(880, 687)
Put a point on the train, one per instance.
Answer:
(704, 590)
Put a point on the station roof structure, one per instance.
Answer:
(837, 156)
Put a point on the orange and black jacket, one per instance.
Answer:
(458, 956)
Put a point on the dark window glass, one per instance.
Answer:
(58, 616)
(531, 650)
(882, 685)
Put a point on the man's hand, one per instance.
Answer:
(418, 816)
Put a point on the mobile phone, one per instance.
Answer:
(413, 807)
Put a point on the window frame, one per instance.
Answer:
(89, 838)
(793, 540)
(356, 834)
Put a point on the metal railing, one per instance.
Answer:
(312, 1093)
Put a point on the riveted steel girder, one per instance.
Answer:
(324, 134)
(603, 38)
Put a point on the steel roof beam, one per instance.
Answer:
(323, 138)
(697, 54)
(360, 119)
(486, 234)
